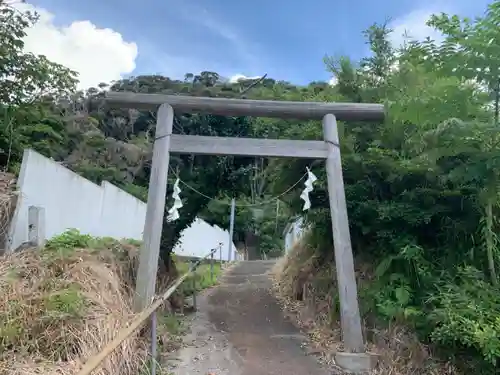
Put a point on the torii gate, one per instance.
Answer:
(166, 142)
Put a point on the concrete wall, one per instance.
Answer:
(198, 239)
(122, 215)
(71, 201)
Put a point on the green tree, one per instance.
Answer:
(471, 48)
(29, 87)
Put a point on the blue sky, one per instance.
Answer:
(285, 39)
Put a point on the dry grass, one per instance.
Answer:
(307, 291)
(8, 201)
(60, 306)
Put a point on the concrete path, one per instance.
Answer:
(239, 329)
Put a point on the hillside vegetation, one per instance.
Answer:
(61, 304)
(422, 192)
(422, 187)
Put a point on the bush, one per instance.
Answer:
(467, 314)
(202, 277)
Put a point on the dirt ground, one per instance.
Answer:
(239, 329)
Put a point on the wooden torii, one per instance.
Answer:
(166, 142)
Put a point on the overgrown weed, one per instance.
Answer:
(62, 304)
(448, 326)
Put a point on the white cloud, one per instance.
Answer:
(414, 25)
(98, 55)
(241, 77)
(333, 81)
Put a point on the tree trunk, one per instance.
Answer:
(490, 241)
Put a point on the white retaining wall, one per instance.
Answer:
(71, 201)
(197, 240)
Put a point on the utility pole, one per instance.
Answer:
(231, 228)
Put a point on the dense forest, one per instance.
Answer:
(422, 187)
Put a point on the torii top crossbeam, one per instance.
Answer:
(246, 107)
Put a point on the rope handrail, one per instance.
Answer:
(125, 332)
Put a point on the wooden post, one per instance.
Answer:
(36, 226)
(154, 343)
(194, 290)
(349, 309)
(182, 298)
(150, 249)
(212, 267)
